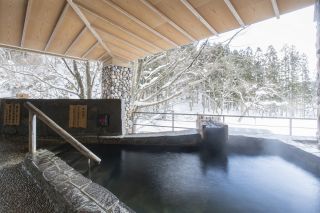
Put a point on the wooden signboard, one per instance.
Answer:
(12, 114)
(78, 116)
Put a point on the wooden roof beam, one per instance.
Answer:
(199, 17)
(234, 13)
(121, 40)
(275, 8)
(163, 16)
(75, 40)
(88, 25)
(39, 51)
(120, 28)
(55, 29)
(26, 22)
(138, 21)
(85, 54)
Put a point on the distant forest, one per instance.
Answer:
(225, 81)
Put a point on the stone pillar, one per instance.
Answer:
(317, 20)
(117, 84)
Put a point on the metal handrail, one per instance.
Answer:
(34, 113)
(223, 116)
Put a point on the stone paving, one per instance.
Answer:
(18, 192)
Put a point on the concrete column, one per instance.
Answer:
(117, 84)
(317, 20)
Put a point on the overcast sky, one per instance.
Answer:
(296, 28)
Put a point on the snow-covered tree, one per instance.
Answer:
(43, 76)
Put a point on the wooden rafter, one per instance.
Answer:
(132, 54)
(138, 21)
(75, 40)
(26, 21)
(88, 25)
(275, 8)
(55, 29)
(122, 56)
(123, 59)
(234, 13)
(120, 28)
(102, 56)
(85, 54)
(163, 16)
(198, 16)
(107, 59)
(120, 40)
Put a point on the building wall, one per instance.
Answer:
(117, 84)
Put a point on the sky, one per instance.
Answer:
(295, 28)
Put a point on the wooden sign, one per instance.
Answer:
(78, 116)
(12, 114)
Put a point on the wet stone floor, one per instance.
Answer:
(18, 192)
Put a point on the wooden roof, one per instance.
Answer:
(119, 31)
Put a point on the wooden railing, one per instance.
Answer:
(35, 113)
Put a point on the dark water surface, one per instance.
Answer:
(193, 181)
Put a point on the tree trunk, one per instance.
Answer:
(79, 80)
(88, 81)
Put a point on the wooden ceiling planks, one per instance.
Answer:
(81, 43)
(101, 8)
(95, 52)
(153, 20)
(252, 11)
(42, 19)
(109, 26)
(114, 39)
(70, 26)
(216, 13)
(284, 7)
(12, 15)
(125, 29)
(182, 16)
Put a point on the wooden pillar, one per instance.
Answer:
(32, 133)
(317, 20)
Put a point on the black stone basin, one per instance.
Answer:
(215, 135)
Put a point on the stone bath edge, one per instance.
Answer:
(67, 189)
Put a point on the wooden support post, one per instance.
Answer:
(317, 20)
(32, 133)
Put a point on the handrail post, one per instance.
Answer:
(32, 132)
(172, 113)
(290, 126)
(133, 123)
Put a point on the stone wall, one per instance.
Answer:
(67, 189)
(117, 83)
